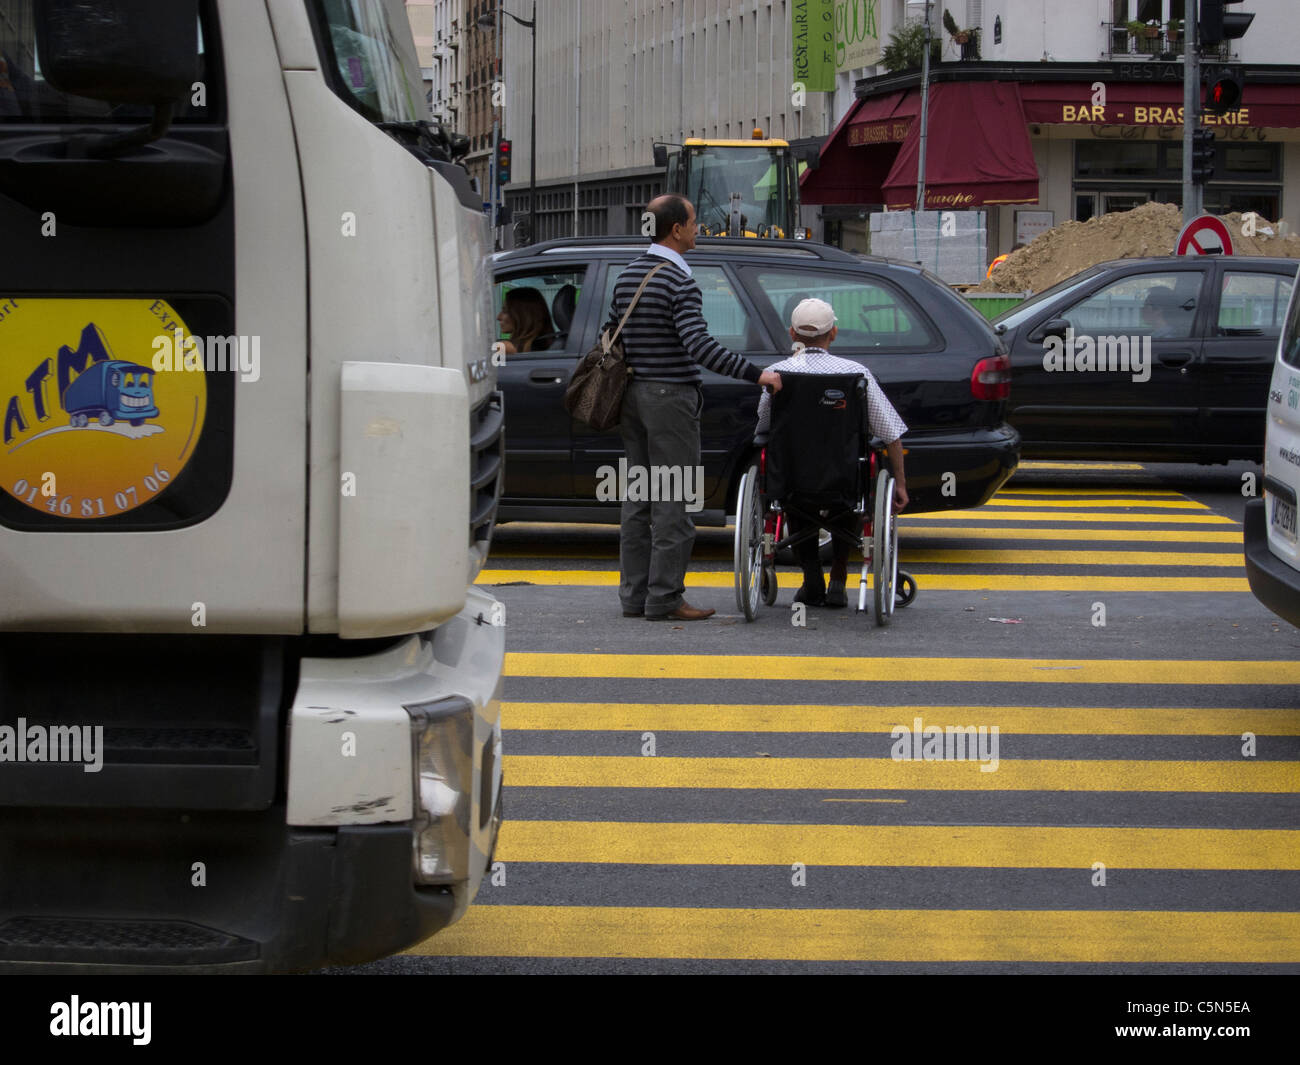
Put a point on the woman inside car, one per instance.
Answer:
(526, 318)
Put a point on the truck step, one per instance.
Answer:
(119, 942)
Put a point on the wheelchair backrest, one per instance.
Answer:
(819, 432)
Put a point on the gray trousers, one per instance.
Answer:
(660, 426)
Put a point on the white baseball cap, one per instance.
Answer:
(812, 318)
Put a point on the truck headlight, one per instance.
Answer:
(442, 738)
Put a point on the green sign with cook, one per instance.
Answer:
(830, 37)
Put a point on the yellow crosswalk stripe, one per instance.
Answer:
(937, 582)
(1113, 518)
(594, 550)
(923, 669)
(802, 718)
(1010, 532)
(1093, 504)
(868, 774)
(1038, 464)
(1019, 556)
(1088, 493)
(870, 935)
(948, 846)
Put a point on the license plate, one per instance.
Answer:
(1284, 518)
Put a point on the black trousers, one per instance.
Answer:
(807, 552)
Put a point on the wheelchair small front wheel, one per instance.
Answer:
(770, 587)
(906, 590)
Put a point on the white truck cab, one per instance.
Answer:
(252, 449)
(1272, 555)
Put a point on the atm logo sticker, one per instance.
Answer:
(90, 429)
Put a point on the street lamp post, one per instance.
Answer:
(486, 22)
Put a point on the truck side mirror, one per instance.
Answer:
(131, 51)
(661, 156)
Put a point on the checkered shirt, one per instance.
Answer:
(884, 420)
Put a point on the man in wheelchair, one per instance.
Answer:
(815, 441)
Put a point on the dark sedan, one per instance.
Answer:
(1161, 359)
(937, 360)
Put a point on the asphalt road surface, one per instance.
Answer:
(722, 796)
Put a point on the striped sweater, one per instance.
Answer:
(667, 339)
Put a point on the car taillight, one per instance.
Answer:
(991, 378)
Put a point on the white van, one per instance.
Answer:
(252, 453)
(1272, 555)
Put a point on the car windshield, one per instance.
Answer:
(1018, 314)
(757, 174)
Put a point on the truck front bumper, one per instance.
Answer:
(178, 879)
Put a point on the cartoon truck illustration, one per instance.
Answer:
(111, 391)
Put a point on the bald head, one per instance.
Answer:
(674, 221)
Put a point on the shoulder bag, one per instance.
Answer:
(595, 392)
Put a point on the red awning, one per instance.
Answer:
(884, 119)
(977, 154)
(850, 175)
(1131, 103)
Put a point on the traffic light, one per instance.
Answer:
(1219, 25)
(1223, 91)
(1202, 156)
(503, 162)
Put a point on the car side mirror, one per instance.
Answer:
(1053, 327)
(661, 156)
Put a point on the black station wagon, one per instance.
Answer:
(1172, 359)
(936, 358)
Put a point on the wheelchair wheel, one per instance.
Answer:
(770, 587)
(906, 590)
(748, 544)
(884, 549)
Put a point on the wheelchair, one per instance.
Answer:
(819, 465)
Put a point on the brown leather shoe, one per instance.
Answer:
(685, 612)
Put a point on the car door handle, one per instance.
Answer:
(1176, 358)
(546, 377)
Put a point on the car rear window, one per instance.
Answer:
(1252, 303)
(868, 312)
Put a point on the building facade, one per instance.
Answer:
(478, 64)
(615, 76)
(1079, 102)
(457, 60)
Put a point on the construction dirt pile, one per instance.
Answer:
(1151, 229)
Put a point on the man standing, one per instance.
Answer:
(666, 340)
(813, 330)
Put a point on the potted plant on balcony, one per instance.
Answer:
(1136, 30)
(967, 40)
(959, 36)
(1175, 29)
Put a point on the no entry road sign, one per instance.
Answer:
(1206, 235)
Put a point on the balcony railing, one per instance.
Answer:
(1119, 43)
